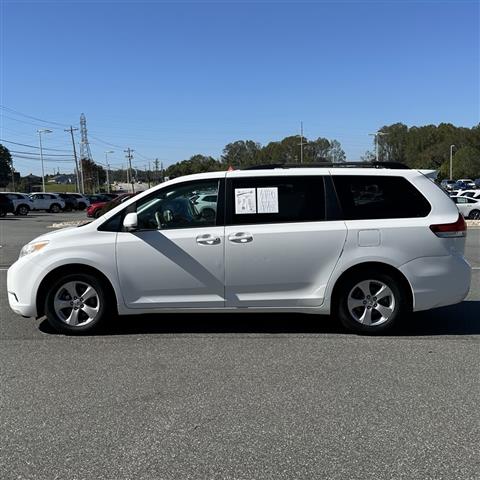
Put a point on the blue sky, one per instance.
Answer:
(171, 79)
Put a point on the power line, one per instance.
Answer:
(31, 117)
(34, 153)
(33, 146)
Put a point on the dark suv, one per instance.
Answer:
(6, 205)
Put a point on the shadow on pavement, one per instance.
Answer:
(461, 319)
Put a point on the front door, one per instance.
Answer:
(176, 257)
(279, 249)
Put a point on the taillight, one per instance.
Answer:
(450, 230)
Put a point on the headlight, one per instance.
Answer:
(32, 247)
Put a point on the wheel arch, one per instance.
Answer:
(377, 267)
(69, 269)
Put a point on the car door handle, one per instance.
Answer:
(208, 239)
(241, 237)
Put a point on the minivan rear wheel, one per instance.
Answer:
(76, 303)
(370, 302)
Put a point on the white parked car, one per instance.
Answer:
(47, 201)
(469, 193)
(206, 203)
(22, 203)
(312, 240)
(468, 207)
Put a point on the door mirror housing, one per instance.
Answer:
(130, 222)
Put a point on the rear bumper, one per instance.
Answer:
(437, 281)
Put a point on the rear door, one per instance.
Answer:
(279, 248)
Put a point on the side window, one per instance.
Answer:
(365, 197)
(258, 200)
(174, 207)
(40, 197)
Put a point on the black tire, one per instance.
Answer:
(3, 213)
(22, 210)
(55, 208)
(57, 289)
(351, 317)
(474, 215)
(81, 206)
(97, 213)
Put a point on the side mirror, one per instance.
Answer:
(130, 222)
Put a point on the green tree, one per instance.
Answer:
(5, 166)
(94, 176)
(241, 153)
(465, 164)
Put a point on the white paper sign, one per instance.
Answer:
(245, 201)
(267, 200)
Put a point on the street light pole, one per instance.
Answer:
(108, 168)
(375, 136)
(45, 130)
(451, 161)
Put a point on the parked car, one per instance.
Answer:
(312, 240)
(448, 184)
(464, 184)
(469, 193)
(468, 207)
(22, 204)
(477, 182)
(98, 197)
(206, 203)
(47, 201)
(6, 205)
(97, 209)
(82, 200)
(71, 202)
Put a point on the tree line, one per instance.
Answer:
(429, 147)
(246, 153)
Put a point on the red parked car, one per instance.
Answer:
(97, 209)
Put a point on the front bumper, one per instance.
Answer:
(22, 288)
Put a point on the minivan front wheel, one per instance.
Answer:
(76, 303)
(370, 303)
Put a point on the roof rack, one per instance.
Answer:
(392, 165)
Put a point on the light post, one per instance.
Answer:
(108, 168)
(451, 161)
(375, 136)
(44, 130)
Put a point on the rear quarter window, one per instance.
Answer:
(373, 197)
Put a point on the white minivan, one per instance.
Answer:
(367, 245)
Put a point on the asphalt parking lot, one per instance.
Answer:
(237, 396)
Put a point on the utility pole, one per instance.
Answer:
(161, 172)
(156, 170)
(451, 161)
(129, 157)
(44, 130)
(13, 177)
(148, 174)
(108, 169)
(71, 130)
(301, 142)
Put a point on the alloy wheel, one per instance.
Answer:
(371, 302)
(76, 303)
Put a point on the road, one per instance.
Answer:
(237, 396)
